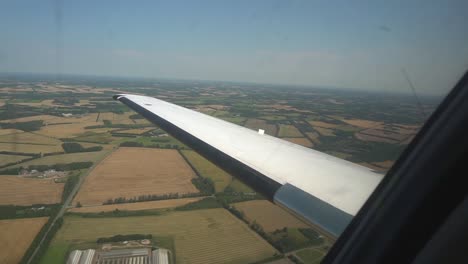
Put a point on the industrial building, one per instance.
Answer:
(119, 256)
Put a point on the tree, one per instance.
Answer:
(78, 205)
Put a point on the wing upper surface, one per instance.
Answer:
(339, 183)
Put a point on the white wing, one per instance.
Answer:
(323, 190)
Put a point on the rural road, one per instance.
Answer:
(65, 206)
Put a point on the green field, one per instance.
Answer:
(200, 236)
(310, 255)
(288, 131)
(207, 169)
(239, 186)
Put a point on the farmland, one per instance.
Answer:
(288, 131)
(65, 158)
(311, 255)
(365, 128)
(24, 191)
(300, 141)
(131, 172)
(7, 159)
(135, 206)
(268, 215)
(200, 236)
(257, 124)
(16, 236)
(29, 148)
(207, 169)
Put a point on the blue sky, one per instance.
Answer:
(346, 44)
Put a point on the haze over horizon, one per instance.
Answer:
(361, 45)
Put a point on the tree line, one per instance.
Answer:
(72, 147)
(119, 238)
(57, 167)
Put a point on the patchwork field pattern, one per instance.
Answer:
(200, 236)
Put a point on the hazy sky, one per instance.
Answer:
(357, 44)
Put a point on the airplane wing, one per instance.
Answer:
(323, 190)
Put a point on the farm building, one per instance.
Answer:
(124, 256)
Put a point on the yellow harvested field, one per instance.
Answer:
(207, 169)
(362, 123)
(365, 137)
(268, 215)
(288, 131)
(16, 236)
(6, 159)
(314, 136)
(136, 206)
(26, 191)
(325, 131)
(300, 141)
(29, 148)
(65, 158)
(130, 172)
(200, 236)
(28, 137)
(257, 124)
(9, 131)
(323, 124)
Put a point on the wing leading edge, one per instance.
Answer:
(322, 190)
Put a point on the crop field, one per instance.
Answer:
(27, 137)
(365, 137)
(324, 131)
(289, 131)
(137, 131)
(257, 124)
(9, 131)
(136, 206)
(300, 141)
(239, 186)
(65, 158)
(268, 215)
(24, 191)
(385, 134)
(29, 148)
(200, 236)
(314, 136)
(207, 169)
(6, 159)
(311, 255)
(16, 235)
(362, 123)
(130, 172)
(323, 124)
